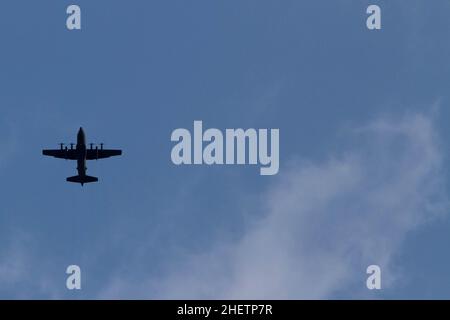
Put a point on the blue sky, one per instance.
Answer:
(363, 119)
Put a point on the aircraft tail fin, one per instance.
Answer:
(82, 179)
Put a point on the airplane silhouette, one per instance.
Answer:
(81, 154)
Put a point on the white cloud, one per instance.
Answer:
(321, 224)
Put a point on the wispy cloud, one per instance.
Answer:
(321, 224)
(21, 270)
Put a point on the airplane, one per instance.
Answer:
(81, 154)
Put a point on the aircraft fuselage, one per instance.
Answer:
(81, 151)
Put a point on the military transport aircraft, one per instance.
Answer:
(81, 154)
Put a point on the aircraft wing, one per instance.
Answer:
(94, 154)
(70, 154)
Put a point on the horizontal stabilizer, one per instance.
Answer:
(82, 179)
